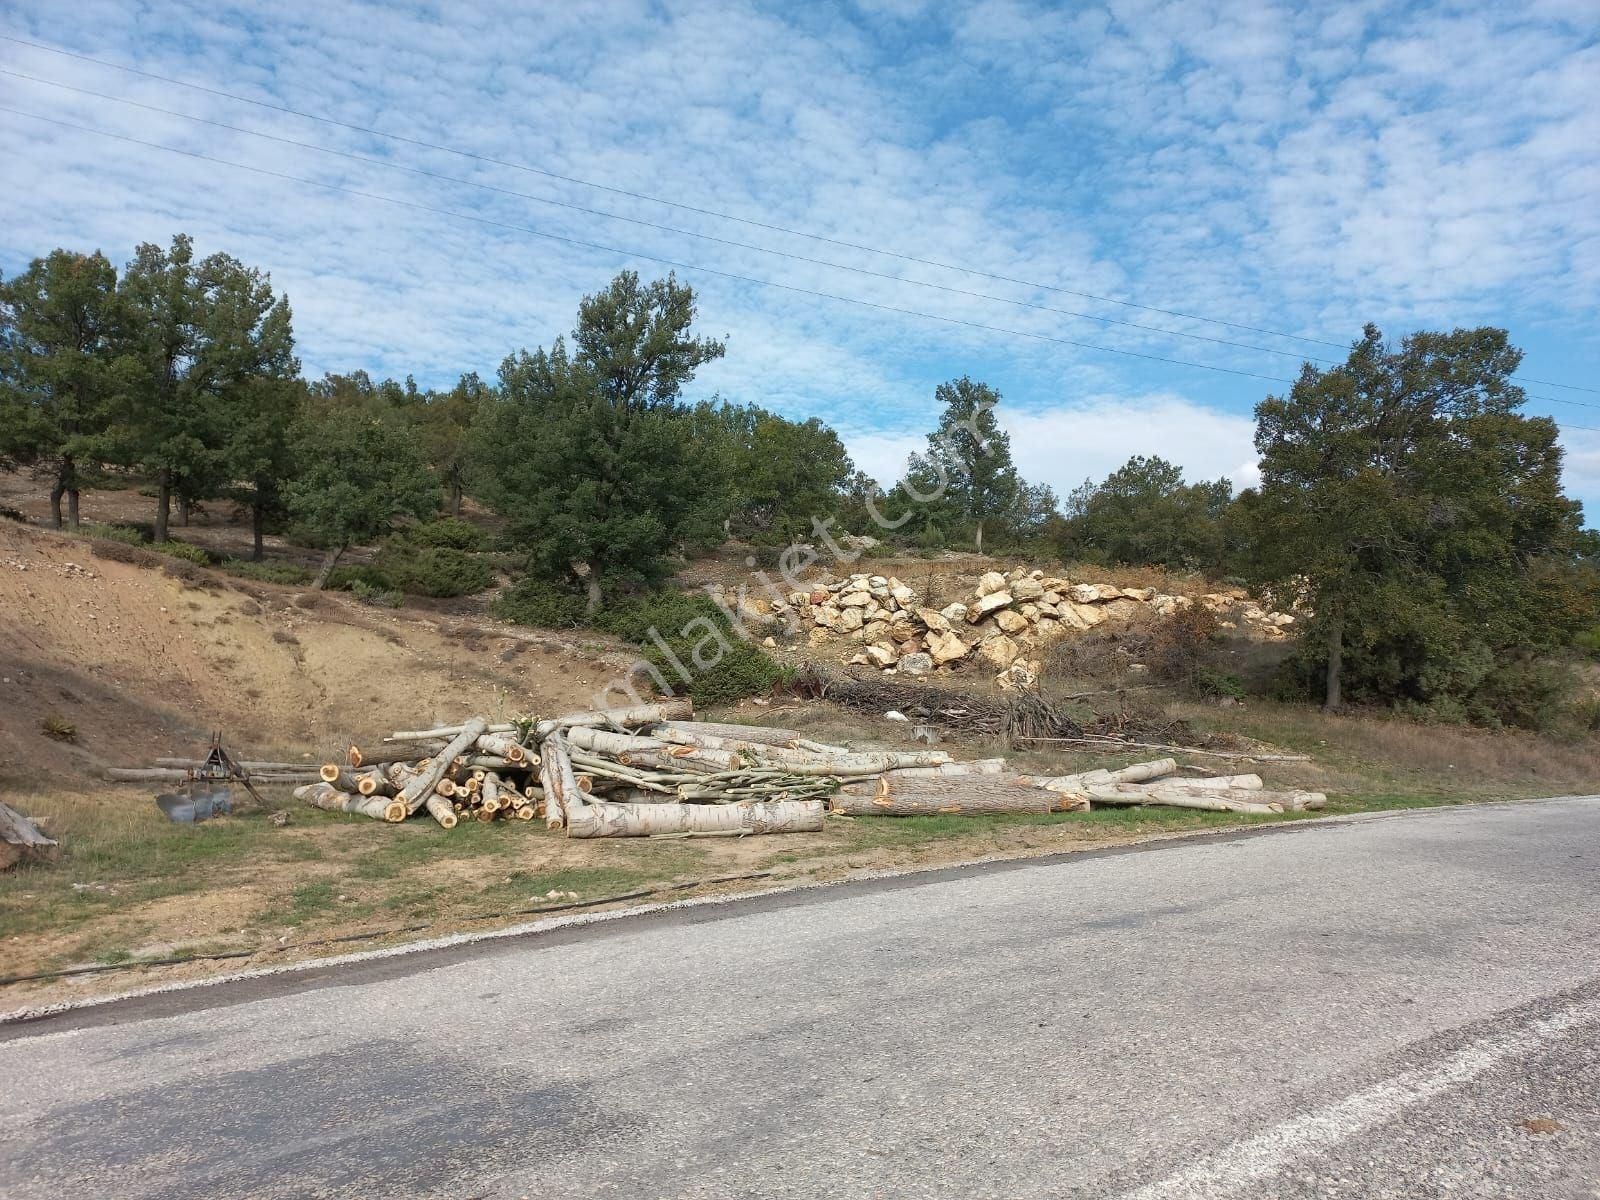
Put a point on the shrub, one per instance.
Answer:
(59, 729)
(128, 535)
(344, 579)
(268, 572)
(737, 668)
(1526, 694)
(11, 514)
(541, 604)
(187, 551)
(377, 597)
(123, 552)
(433, 570)
(448, 533)
(742, 670)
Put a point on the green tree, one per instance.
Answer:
(444, 422)
(359, 476)
(770, 475)
(1145, 513)
(260, 449)
(966, 478)
(201, 332)
(589, 456)
(61, 370)
(1420, 515)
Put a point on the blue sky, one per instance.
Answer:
(1297, 169)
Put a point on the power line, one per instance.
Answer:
(638, 254)
(723, 216)
(617, 191)
(615, 216)
(578, 242)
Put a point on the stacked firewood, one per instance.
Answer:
(653, 770)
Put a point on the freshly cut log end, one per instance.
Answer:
(353, 756)
(442, 811)
(330, 772)
(395, 811)
(329, 798)
(525, 812)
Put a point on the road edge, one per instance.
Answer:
(190, 994)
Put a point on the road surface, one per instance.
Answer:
(1400, 1007)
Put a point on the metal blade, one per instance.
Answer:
(196, 803)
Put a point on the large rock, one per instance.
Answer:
(990, 582)
(1083, 593)
(1080, 616)
(991, 603)
(882, 654)
(855, 600)
(935, 620)
(1106, 591)
(1029, 612)
(1027, 588)
(1011, 622)
(875, 631)
(1122, 609)
(828, 616)
(946, 648)
(850, 619)
(954, 613)
(902, 628)
(1019, 676)
(903, 595)
(916, 664)
(1144, 595)
(1001, 651)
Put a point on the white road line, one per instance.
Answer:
(1260, 1157)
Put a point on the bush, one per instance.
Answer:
(377, 597)
(432, 570)
(128, 535)
(187, 551)
(540, 604)
(268, 572)
(344, 579)
(448, 533)
(1526, 694)
(736, 667)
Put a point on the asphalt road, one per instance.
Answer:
(1369, 1009)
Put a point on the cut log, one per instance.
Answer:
(1181, 798)
(980, 766)
(563, 799)
(503, 745)
(676, 708)
(21, 840)
(746, 733)
(489, 791)
(441, 810)
(274, 768)
(646, 820)
(896, 795)
(371, 781)
(326, 796)
(1215, 783)
(604, 741)
(1133, 773)
(174, 775)
(420, 788)
(447, 733)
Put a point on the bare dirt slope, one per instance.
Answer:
(144, 663)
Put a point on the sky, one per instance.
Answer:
(1007, 190)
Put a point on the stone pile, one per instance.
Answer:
(1009, 618)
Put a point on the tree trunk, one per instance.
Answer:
(415, 792)
(163, 505)
(1335, 662)
(672, 709)
(326, 569)
(330, 798)
(898, 796)
(748, 733)
(258, 522)
(441, 810)
(563, 799)
(20, 839)
(72, 508)
(183, 511)
(645, 820)
(455, 498)
(592, 604)
(1133, 773)
(980, 538)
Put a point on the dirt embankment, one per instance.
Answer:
(143, 663)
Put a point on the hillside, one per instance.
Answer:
(144, 662)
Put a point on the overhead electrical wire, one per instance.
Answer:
(528, 167)
(635, 195)
(656, 225)
(578, 242)
(638, 254)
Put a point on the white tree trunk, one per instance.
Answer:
(418, 790)
(748, 733)
(896, 795)
(326, 796)
(645, 820)
(672, 709)
(441, 810)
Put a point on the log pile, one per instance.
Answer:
(654, 771)
(1008, 619)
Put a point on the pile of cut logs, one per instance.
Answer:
(653, 770)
